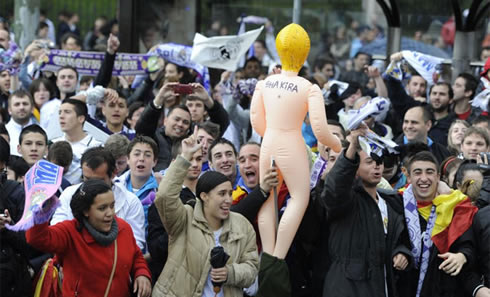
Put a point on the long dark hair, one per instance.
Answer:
(84, 198)
(36, 84)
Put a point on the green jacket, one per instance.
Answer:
(191, 241)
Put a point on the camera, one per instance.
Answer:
(483, 166)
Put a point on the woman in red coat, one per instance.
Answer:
(87, 246)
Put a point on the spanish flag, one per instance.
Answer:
(454, 216)
(238, 194)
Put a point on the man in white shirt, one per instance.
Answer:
(20, 105)
(98, 163)
(72, 115)
(66, 81)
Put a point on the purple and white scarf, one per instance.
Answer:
(417, 238)
(317, 170)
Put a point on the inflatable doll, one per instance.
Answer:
(279, 106)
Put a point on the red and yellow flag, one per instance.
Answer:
(238, 194)
(454, 216)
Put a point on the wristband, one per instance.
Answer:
(156, 105)
(264, 193)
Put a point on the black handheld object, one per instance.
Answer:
(218, 259)
(483, 166)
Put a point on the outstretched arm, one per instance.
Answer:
(105, 73)
(318, 119)
(170, 208)
(337, 193)
(257, 110)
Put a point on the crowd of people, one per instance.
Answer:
(169, 171)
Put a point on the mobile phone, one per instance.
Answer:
(3, 215)
(183, 89)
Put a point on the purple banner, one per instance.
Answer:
(89, 63)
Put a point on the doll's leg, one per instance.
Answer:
(295, 172)
(266, 217)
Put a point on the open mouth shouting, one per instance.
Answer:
(251, 177)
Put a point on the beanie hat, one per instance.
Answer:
(208, 181)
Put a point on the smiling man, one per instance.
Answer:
(176, 125)
(431, 207)
(417, 123)
(72, 116)
(222, 157)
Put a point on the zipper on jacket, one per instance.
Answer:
(76, 288)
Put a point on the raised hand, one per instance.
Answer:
(190, 145)
(110, 95)
(200, 93)
(373, 71)
(112, 44)
(396, 56)
(165, 92)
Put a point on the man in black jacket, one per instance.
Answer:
(177, 122)
(367, 239)
(481, 229)
(14, 251)
(441, 97)
(176, 125)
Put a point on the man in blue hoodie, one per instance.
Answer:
(139, 179)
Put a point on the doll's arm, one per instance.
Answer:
(318, 119)
(257, 110)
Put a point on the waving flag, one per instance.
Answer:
(425, 65)
(372, 143)
(181, 55)
(41, 183)
(454, 216)
(223, 52)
